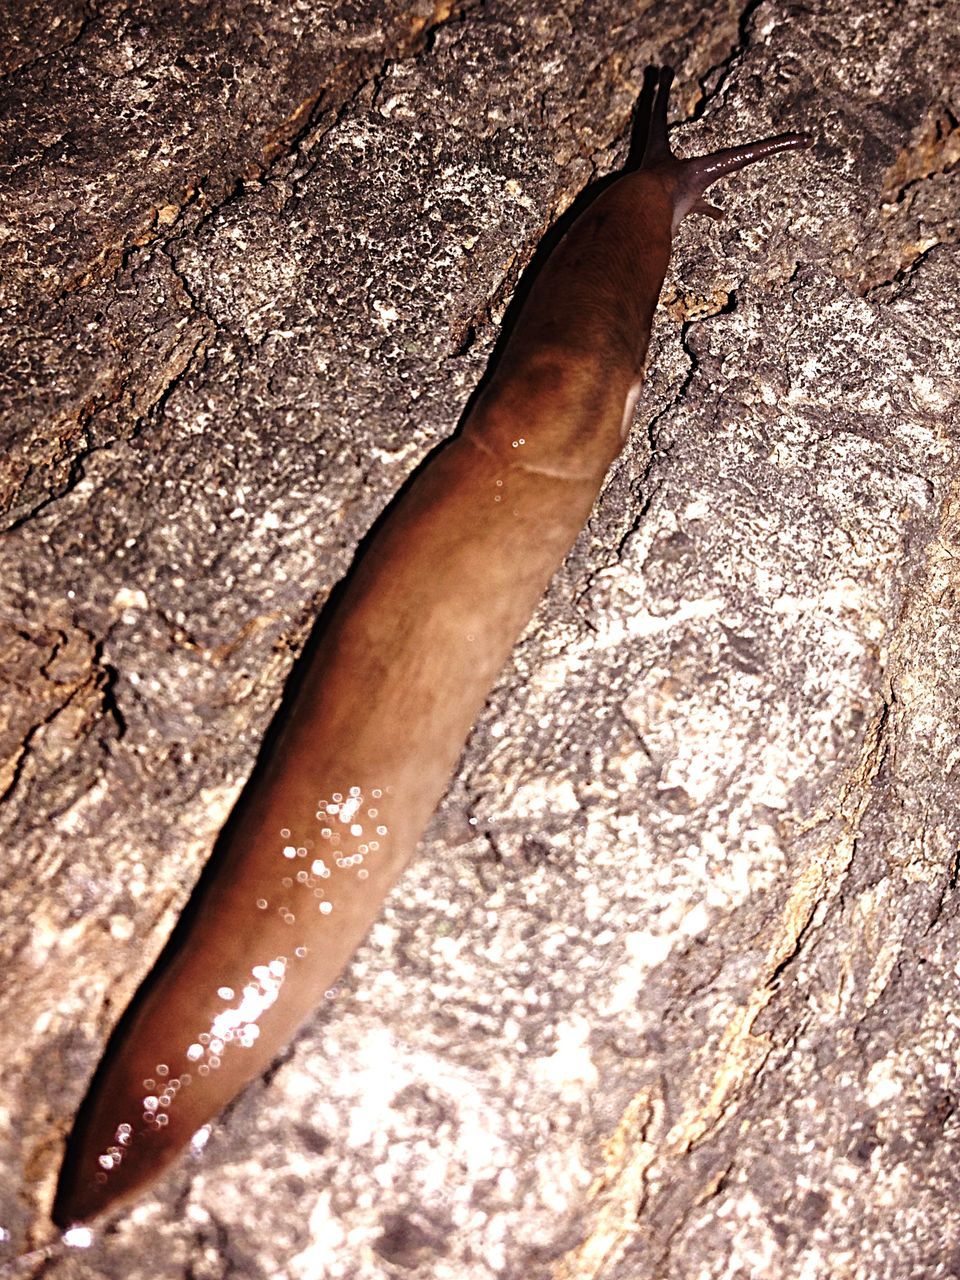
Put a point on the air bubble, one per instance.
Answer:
(362, 875)
(285, 832)
(150, 1083)
(106, 1162)
(194, 1052)
(225, 993)
(204, 1037)
(203, 1069)
(376, 793)
(337, 795)
(164, 1100)
(356, 829)
(326, 908)
(101, 1177)
(287, 883)
(381, 831)
(214, 1063)
(355, 791)
(162, 1069)
(162, 1120)
(150, 1102)
(262, 904)
(302, 877)
(301, 851)
(300, 952)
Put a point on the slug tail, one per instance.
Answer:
(692, 177)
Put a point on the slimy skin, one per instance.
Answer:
(406, 658)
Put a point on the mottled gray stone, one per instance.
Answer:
(670, 989)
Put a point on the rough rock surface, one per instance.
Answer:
(671, 989)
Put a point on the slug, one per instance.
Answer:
(406, 656)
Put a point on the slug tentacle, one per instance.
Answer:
(657, 148)
(693, 176)
(702, 171)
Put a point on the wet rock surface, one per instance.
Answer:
(670, 987)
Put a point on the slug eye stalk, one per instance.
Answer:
(695, 175)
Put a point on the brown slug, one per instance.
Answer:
(408, 652)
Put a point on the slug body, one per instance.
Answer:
(412, 647)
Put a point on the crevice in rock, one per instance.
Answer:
(893, 284)
(108, 690)
(82, 28)
(76, 470)
(720, 71)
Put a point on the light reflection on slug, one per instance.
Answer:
(236, 1026)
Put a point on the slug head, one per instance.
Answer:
(690, 178)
